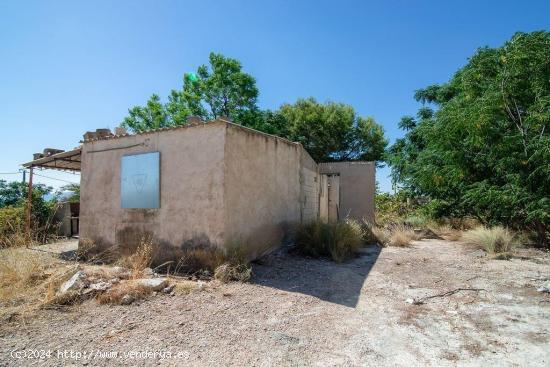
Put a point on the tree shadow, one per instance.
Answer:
(323, 279)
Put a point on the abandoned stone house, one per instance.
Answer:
(213, 183)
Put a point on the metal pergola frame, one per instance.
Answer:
(65, 161)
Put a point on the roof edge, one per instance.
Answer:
(191, 125)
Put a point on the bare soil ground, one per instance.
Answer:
(308, 312)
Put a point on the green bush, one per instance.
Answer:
(416, 221)
(339, 241)
(13, 204)
(479, 145)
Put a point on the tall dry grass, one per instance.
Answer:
(29, 279)
(495, 240)
(140, 259)
(339, 241)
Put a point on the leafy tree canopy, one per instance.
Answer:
(332, 131)
(221, 89)
(480, 145)
(329, 131)
(14, 193)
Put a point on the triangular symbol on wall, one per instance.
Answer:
(139, 181)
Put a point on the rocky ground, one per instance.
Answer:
(296, 311)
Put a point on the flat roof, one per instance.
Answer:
(64, 161)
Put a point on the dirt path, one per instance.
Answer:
(308, 312)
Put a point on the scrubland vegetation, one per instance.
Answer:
(471, 166)
(339, 241)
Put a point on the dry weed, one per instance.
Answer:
(183, 287)
(495, 240)
(115, 294)
(140, 259)
(339, 241)
(402, 236)
(204, 259)
(381, 235)
(228, 272)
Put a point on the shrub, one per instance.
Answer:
(402, 236)
(236, 266)
(28, 279)
(12, 226)
(200, 259)
(230, 272)
(494, 240)
(140, 259)
(446, 232)
(20, 269)
(382, 235)
(339, 241)
(416, 221)
(115, 294)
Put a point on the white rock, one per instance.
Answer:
(154, 284)
(101, 286)
(148, 272)
(169, 289)
(545, 288)
(409, 300)
(76, 283)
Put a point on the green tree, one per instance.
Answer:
(13, 200)
(221, 89)
(14, 193)
(153, 115)
(333, 131)
(73, 189)
(329, 131)
(480, 145)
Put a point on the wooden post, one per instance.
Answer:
(29, 206)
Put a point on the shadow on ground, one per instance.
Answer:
(324, 279)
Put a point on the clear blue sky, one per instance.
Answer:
(71, 66)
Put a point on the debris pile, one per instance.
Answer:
(110, 285)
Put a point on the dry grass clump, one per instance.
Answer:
(339, 241)
(236, 266)
(115, 295)
(85, 247)
(446, 231)
(228, 272)
(183, 287)
(20, 270)
(398, 235)
(381, 235)
(495, 240)
(402, 236)
(12, 227)
(140, 259)
(200, 259)
(29, 280)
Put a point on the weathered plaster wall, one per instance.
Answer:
(262, 188)
(357, 187)
(309, 186)
(220, 184)
(191, 190)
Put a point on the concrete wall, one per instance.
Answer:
(63, 216)
(191, 190)
(357, 187)
(262, 188)
(309, 186)
(220, 184)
